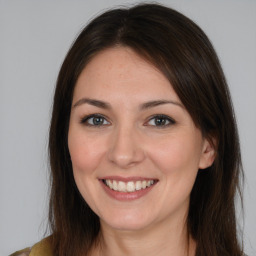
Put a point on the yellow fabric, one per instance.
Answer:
(43, 248)
(24, 252)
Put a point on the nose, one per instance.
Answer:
(126, 148)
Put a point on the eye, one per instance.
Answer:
(160, 121)
(95, 120)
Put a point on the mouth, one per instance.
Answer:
(129, 186)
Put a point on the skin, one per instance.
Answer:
(129, 143)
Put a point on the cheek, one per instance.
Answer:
(85, 152)
(178, 154)
(177, 160)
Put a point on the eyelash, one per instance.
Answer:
(85, 120)
(163, 117)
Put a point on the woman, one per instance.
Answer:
(143, 143)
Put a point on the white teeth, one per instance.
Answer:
(121, 186)
(110, 184)
(129, 186)
(138, 185)
(114, 185)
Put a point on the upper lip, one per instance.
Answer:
(126, 179)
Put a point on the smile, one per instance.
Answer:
(130, 186)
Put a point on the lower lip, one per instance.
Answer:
(126, 196)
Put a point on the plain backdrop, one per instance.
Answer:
(34, 38)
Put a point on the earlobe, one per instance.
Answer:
(208, 154)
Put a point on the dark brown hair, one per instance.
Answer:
(184, 54)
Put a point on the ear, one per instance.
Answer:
(208, 153)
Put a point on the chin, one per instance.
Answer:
(127, 221)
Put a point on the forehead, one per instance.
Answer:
(122, 72)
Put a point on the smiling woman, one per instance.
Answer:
(142, 152)
(143, 143)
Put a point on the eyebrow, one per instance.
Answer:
(105, 105)
(155, 103)
(93, 102)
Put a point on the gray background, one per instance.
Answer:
(34, 38)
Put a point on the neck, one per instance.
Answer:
(161, 240)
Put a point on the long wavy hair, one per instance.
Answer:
(184, 54)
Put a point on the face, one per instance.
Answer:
(134, 148)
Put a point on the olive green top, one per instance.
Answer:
(43, 248)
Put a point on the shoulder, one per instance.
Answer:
(42, 248)
(24, 252)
